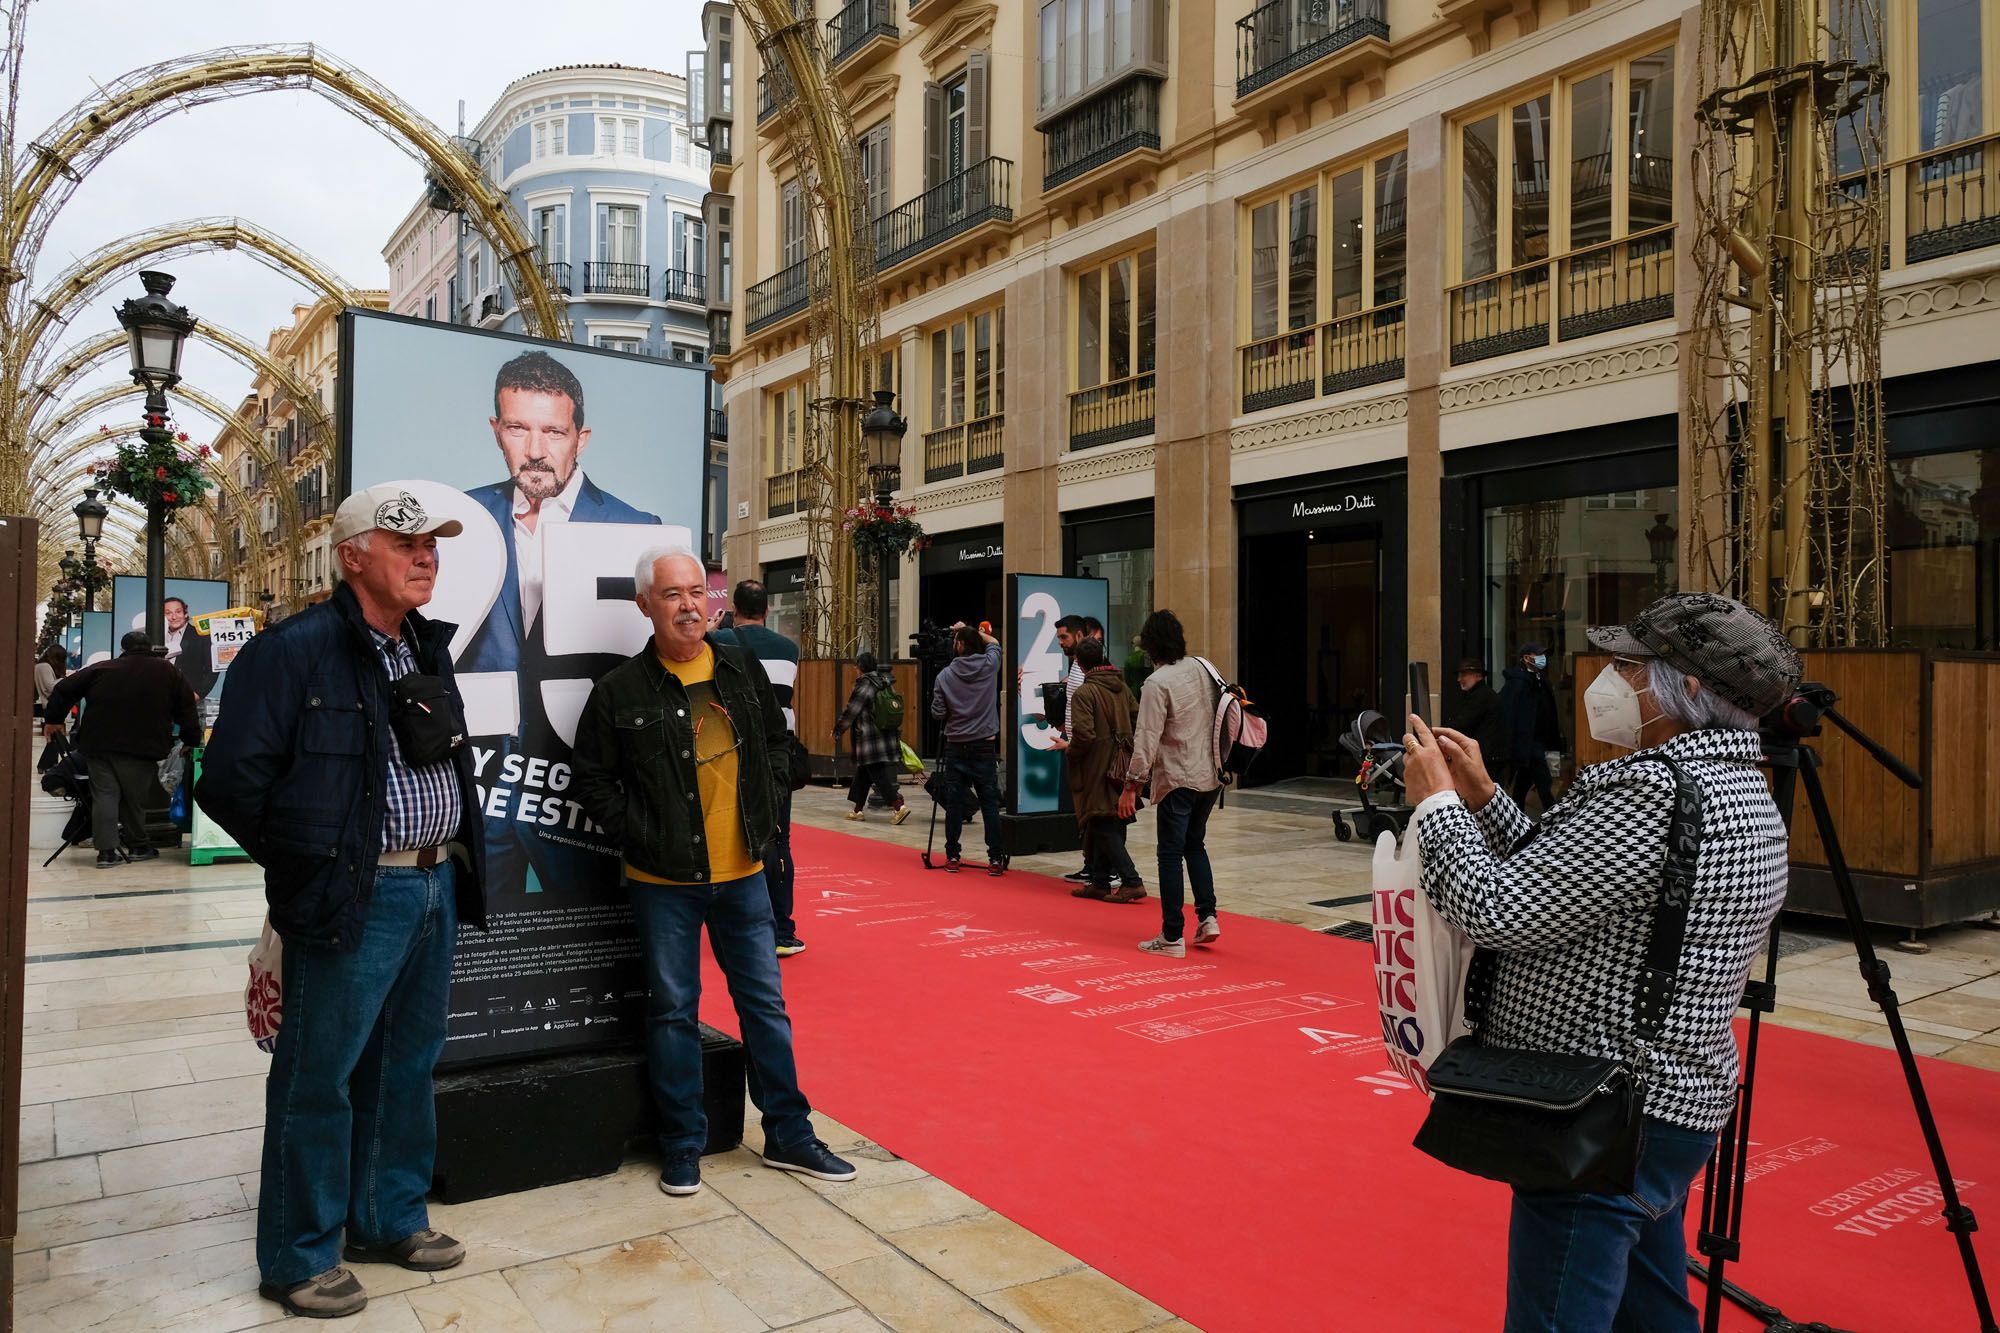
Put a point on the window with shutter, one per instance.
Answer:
(934, 135)
(792, 215)
(875, 169)
(976, 108)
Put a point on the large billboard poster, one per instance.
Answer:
(96, 642)
(1039, 601)
(565, 464)
(186, 598)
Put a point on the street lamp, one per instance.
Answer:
(71, 570)
(1661, 538)
(90, 512)
(158, 330)
(882, 434)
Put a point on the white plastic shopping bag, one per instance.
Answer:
(1420, 964)
(264, 998)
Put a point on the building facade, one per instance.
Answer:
(601, 165)
(1358, 332)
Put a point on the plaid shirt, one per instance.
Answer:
(424, 803)
(871, 746)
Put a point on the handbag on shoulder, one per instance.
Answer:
(1546, 1121)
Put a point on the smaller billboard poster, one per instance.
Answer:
(1038, 602)
(97, 642)
(186, 599)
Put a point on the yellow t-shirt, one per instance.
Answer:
(715, 756)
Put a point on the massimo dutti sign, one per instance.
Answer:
(1333, 506)
(951, 552)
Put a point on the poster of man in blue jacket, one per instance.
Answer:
(601, 456)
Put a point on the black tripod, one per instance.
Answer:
(1720, 1238)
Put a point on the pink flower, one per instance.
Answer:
(182, 437)
(170, 497)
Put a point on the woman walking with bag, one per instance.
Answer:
(878, 750)
(1574, 967)
(1100, 748)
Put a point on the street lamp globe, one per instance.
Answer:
(158, 330)
(882, 433)
(90, 512)
(1661, 537)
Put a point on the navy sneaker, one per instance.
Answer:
(789, 945)
(810, 1158)
(681, 1174)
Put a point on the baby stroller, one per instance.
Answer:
(1377, 748)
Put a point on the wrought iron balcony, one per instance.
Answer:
(783, 294)
(1108, 126)
(719, 153)
(557, 276)
(684, 285)
(718, 333)
(492, 305)
(853, 27)
(1285, 36)
(781, 494)
(602, 278)
(1107, 413)
(1617, 285)
(1346, 353)
(1953, 201)
(983, 193)
(718, 424)
(774, 90)
(962, 450)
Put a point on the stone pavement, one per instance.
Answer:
(142, 1113)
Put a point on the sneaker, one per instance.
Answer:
(1078, 876)
(902, 813)
(681, 1174)
(106, 860)
(150, 854)
(810, 1159)
(789, 945)
(424, 1252)
(997, 867)
(951, 864)
(857, 814)
(331, 1295)
(1208, 932)
(1127, 893)
(1164, 947)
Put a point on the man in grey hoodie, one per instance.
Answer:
(967, 699)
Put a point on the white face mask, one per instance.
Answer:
(1541, 661)
(1612, 705)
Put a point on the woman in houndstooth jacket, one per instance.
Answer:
(1568, 908)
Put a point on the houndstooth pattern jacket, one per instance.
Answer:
(1570, 911)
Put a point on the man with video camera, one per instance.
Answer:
(966, 698)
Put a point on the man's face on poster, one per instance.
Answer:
(176, 612)
(538, 436)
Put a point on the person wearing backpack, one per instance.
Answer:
(1099, 751)
(874, 715)
(1173, 743)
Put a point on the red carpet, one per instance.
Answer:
(1223, 1134)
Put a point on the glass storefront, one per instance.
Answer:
(1944, 550)
(1118, 548)
(786, 582)
(1555, 567)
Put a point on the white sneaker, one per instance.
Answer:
(1164, 947)
(902, 813)
(1208, 932)
(857, 814)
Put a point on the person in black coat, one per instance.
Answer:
(1534, 728)
(1475, 710)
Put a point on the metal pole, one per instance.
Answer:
(882, 643)
(90, 575)
(1801, 164)
(156, 574)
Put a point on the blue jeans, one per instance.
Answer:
(1591, 1262)
(1183, 834)
(778, 871)
(738, 915)
(971, 772)
(350, 1124)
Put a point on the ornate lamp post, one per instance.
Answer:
(882, 435)
(1661, 539)
(158, 329)
(90, 512)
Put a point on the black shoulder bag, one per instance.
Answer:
(1544, 1121)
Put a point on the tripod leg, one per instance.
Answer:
(1958, 1218)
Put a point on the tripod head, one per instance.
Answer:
(1786, 727)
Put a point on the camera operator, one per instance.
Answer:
(967, 699)
(1569, 915)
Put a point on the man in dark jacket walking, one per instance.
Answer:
(680, 755)
(1533, 728)
(1097, 749)
(876, 752)
(363, 812)
(134, 703)
(1475, 710)
(966, 699)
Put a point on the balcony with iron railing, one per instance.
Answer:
(557, 276)
(1120, 120)
(858, 24)
(1595, 289)
(314, 507)
(685, 286)
(492, 306)
(1279, 39)
(719, 152)
(781, 494)
(608, 278)
(774, 92)
(1108, 413)
(780, 296)
(1351, 352)
(981, 194)
(1951, 200)
(718, 333)
(963, 450)
(718, 424)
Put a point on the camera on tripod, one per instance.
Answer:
(1798, 717)
(931, 645)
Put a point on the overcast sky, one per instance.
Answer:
(291, 162)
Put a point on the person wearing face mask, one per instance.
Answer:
(1534, 724)
(1568, 907)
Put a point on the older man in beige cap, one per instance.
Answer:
(340, 764)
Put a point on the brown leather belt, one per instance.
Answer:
(421, 858)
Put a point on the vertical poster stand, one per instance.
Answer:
(1038, 817)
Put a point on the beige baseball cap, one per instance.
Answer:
(390, 508)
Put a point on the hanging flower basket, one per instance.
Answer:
(159, 467)
(880, 532)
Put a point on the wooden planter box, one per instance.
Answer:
(1920, 859)
(821, 694)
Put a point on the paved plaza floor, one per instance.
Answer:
(143, 1103)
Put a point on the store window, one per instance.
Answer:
(787, 585)
(1119, 551)
(1556, 567)
(1944, 550)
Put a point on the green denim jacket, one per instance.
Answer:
(634, 771)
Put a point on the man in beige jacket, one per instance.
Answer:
(1174, 741)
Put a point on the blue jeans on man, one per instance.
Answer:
(350, 1124)
(1183, 836)
(738, 916)
(778, 871)
(972, 773)
(1599, 1261)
